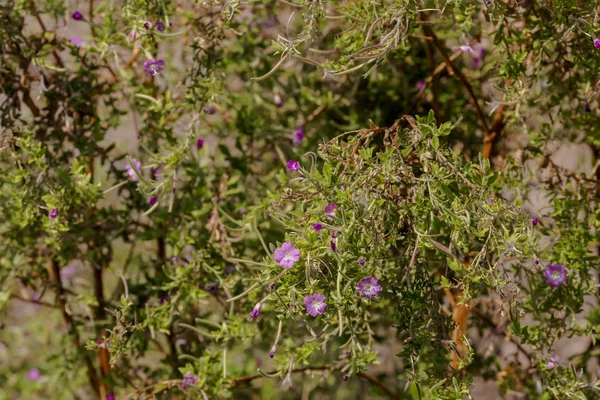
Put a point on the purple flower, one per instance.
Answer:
(160, 26)
(554, 357)
(534, 221)
(77, 16)
(330, 209)
(550, 365)
(54, 213)
(298, 136)
(256, 310)
(293, 165)
(34, 374)
(181, 341)
(287, 255)
(153, 200)
(464, 48)
(200, 143)
(315, 304)
(556, 275)
(230, 269)
(317, 227)
(76, 41)
(153, 66)
(189, 380)
(110, 397)
(332, 245)
(68, 271)
(421, 85)
(277, 100)
(597, 43)
(368, 287)
(361, 261)
(131, 170)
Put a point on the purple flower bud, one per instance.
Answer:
(110, 397)
(277, 100)
(146, 25)
(160, 26)
(77, 16)
(298, 136)
(189, 380)
(176, 260)
(200, 143)
(293, 165)
(550, 365)
(593, 331)
(256, 310)
(536, 261)
(534, 221)
(333, 235)
(163, 299)
(597, 43)
(361, 261)
(587, 107)
(272, 286)
(272, 352)
(554, 357)
(317, 227)
(332, 245)
(153, 201)
(210, 110)
(34, 374)
(421, 85)
(345, 378)
(54, 213)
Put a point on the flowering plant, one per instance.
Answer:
(357, 199)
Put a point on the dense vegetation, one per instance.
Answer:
(298, 199)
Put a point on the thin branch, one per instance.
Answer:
(460, 75)
(329, 368)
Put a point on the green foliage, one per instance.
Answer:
(132, 253)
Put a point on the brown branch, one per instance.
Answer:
(62, 304)
(428, 31)
(330, 368)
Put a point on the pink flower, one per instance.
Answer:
(315, 304)
(34, 374)
(256, 310)
(76, 41)
(330, 209)
(368, 287)
(556, 275)
(597, 43)
(131, 171)
(153, 67)
(298, 136)
(287, 255)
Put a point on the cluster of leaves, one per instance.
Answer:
(150, 247)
